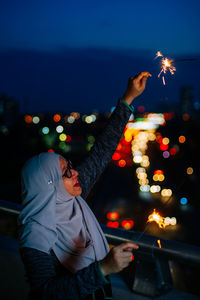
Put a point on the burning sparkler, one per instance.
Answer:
(161, 221)
(155, 217)
(166, 65)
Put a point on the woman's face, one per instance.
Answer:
(72, 184)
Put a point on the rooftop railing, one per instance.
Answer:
(151, 271)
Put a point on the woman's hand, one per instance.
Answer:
(118, 258)
(136, 86)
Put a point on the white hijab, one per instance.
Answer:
(53, 219)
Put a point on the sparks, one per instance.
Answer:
(159, 243)
(163, 79)
(161, 221)
(166, 65)
(155, 217)
(158, 54)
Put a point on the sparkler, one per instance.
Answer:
(161, 221)
(166, 65)
(155, 217)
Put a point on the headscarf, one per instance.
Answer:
(52, 219)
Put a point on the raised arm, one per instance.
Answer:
(94, 164)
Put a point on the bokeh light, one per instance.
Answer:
(59, 128)
(182, 139)
(62, 137)
(28, 119)
(190, 171)
(183, 201)
(36, 120)
(57, 118)
(45, 130)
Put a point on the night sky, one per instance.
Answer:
(77, 55)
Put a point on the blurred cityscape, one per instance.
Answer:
(152, 181)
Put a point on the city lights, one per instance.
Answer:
(59, 128)
(114, 224)
(155, 189)
(36, 120)
(183, 201)
(70, 119)
(112, 216)
(62, 137)
(166, 154)
(165, 141)
(57, 118)
(116, 156)
(166, 192)
(121, 163)
(145, 188)
(45, 130)
(190, 171)
(28, 119)
(182, 139)
(127, 224)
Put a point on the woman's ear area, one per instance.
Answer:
(62, 163)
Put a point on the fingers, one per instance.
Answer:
(143, 74)
(128, 246)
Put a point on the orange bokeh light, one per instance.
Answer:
(57, 118)
(182, 139)
(121, 163)
(28, 119)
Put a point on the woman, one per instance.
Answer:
(65, 253)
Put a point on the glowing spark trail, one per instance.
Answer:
(166, 65)
(159, 243)
(158, 54)
(163, 79)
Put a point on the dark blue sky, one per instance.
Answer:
(54, 52)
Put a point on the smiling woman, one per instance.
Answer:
(64, 250)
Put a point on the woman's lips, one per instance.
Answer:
(77, 184)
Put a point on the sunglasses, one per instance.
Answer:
(68, 172)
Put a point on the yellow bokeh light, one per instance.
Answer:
(142, 175)
(165, 141)
(167, 221)
(145, 164)
(190, 171)
(173, 221)
(152, 136)
(166, 192)
(62, 137)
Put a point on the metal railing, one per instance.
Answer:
(170, 250)
(151, 274)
